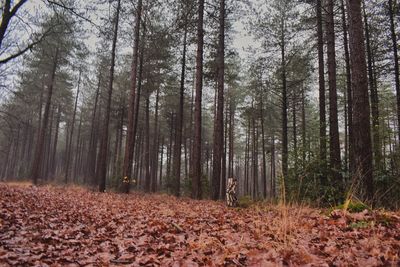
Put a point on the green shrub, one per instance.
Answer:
(245, 201)
(353, 206)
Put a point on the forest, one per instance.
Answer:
(124, 123)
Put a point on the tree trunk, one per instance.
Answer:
(91, 156)
(197, 166)
(396, 61)
(37, 162)
(361, 108)
(71, 134)
(223, 161)
(147, 143)
(219, 120)
(161, 163)
(284, 103)
(131, 131)
(255, 157)
(303, 127)
(103, 153)
(77, 150)
(247, 159)
(295, 152)
(47, 147)
(264, 159)
(373, 95)
(273, 173)
(231, 137)
(169, 152)
(54, 151)
(322, 102)
(176, 167)
(349, 94)
(334, 143)
(156, 144)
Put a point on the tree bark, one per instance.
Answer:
(219, 120)
(147, 143)
(295, 151)
(322, 102)
(103, 153)
(264, 159)
(156, 144)
(77, 149)
(349, 94)
(334, 143)
(197, 166)
(396, 61)
(373, 95)
(285, 167)
(71, 134)
(91, 156)
(37, 162)
(54, 151)
(361, 107)
(130, 138)
(176, 167)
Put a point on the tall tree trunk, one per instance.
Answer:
(131, 131)
(255, 157)
(264, 159)
(303, 127)
(273, 172)
(103, 153)
(91, 157)
(46, 169)
(231, 136)
(139, 145)
(197, 167)
(223, 161)
(396, 61)
(322, 102)
(361, 108)
(138, 152)
(147, 142)
(374, 96)
(334, 143)
(118, 142)
(349, 94)
(284, 103)
(37, 162)
(294, 117)
(53, 157)
(71, 134)
(219, 120)
(169, 152)
(161, 162)
(247, 159)
(156, 144)
(77, 151)
(176, 167)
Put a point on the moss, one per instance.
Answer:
(352, 206)
(359, 225)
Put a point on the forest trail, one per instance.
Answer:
(74, 227)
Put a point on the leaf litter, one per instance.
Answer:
(54, 226)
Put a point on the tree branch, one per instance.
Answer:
(28, 47)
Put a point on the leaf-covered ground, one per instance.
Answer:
(50, 226)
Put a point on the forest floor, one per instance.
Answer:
(58, 226)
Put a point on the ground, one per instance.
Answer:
(55, 226)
